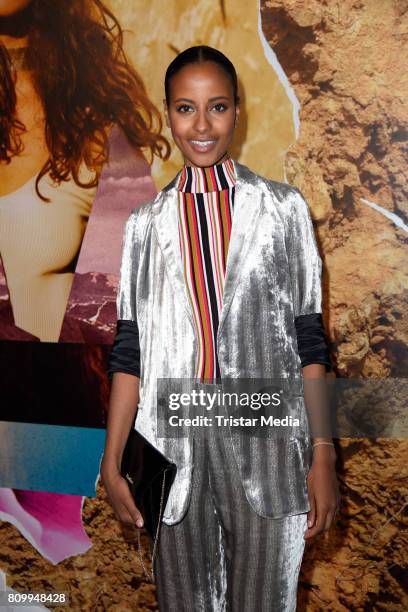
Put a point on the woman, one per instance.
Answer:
(71, 105)
(221, 279)
(64, 83)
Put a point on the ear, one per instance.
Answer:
(237, 111)
(166, 112)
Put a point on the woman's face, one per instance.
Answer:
(201, 113)
(11, 7)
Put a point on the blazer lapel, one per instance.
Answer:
(246, 212)
(165, 222)
(247, 206)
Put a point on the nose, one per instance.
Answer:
(202, 122)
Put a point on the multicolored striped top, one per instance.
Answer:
(205, 207)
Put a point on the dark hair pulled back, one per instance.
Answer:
(198, 55)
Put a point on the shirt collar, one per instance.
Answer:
(194, 179)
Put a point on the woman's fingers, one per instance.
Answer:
(324, 520)
(123, 515)
(122, 501)
(311, 515)
(129, 515)
(324, 496)
(132, 510)
(318, 526)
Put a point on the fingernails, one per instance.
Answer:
(139, 523)
(309, 523)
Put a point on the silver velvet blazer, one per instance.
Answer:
(273, 275)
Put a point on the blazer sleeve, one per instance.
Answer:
(126, 298)
(305, 264)
(125, 353)
(305, 267)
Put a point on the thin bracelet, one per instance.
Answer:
(318, 443)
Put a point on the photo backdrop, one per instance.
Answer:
(324, 90)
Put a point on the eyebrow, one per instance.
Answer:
(210, 99)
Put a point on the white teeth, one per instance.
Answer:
(202, 143)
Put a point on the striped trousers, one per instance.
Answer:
(222, 556)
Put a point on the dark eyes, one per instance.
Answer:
(220, 107)
(183, 108)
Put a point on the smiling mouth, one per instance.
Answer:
(202, 145)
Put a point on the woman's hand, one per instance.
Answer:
(123, 401)
(323, 491)
(120, 497)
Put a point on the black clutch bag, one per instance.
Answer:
(150, 477)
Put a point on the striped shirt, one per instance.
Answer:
(205, 209)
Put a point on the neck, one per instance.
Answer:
(222, 159)
(19, 58)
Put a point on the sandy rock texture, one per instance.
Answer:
(346, 64)
(108, 576)
(361, 563)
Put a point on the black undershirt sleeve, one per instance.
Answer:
(311, 339)
(125, 353)
(312, 342)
